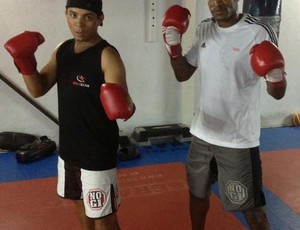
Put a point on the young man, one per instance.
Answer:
(232, 53)
(92, 94)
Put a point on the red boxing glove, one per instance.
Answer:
(267, 61)
(174, 24)
(266, 58)
(116, 101)
(22, 48)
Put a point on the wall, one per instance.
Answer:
(159, 98)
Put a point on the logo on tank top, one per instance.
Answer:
(80, 81)
(96, 199)
(236, 192)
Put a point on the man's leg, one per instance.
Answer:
(198, 210)
(257, 219)
(109, 222)
(86, 223)
(199, 178)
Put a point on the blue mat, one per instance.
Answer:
(280, 138)
(11, 170)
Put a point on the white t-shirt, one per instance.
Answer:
(228, 113)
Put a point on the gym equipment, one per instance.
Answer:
(41, 147)
(148, 135)
(126, 150)
(11, 141)
(296, 119)
(267, 10)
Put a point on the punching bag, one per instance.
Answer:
(267, 10)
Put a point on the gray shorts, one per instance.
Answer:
(238, 172)
(98, 189)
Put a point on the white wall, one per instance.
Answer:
(159, 98)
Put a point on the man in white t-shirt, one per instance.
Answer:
(232, 53)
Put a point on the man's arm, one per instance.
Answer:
(182, 69)
(174, 24)
(114, 94)
(22, 48)
(39, 83)
(277, 90)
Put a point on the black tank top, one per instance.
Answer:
(87, 138)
